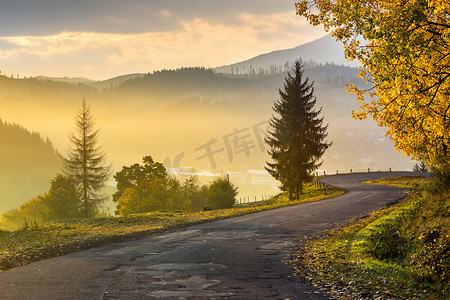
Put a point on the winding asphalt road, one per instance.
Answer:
(238, 258)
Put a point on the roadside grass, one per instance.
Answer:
(37, 242)
(400, 252)
(411, 182)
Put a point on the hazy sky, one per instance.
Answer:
(100, 39)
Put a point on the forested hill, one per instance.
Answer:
(179, 83)
(27, 163)
(187, 82)
(184, 81)
(164, 86)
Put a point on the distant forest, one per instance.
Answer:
(27, 163)
(206, 81)
(170, 82)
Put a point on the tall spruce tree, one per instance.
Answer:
(86, 161)
(297, 138)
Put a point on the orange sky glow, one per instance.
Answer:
(197, 40)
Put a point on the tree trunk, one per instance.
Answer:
(300, 186)
(86, 207)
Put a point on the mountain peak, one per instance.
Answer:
(323, 50)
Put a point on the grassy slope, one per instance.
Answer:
(58, 238)
(395, 253)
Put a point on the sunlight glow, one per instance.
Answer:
(199, 42)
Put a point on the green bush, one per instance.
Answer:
(441, 179)
(386, 242)
(222, 194)
(432, 263)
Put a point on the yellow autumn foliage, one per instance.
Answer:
(404, 50)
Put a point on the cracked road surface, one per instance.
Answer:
(238, 258)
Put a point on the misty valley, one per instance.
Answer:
(195, 121)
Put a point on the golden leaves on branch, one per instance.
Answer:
(404, 50)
